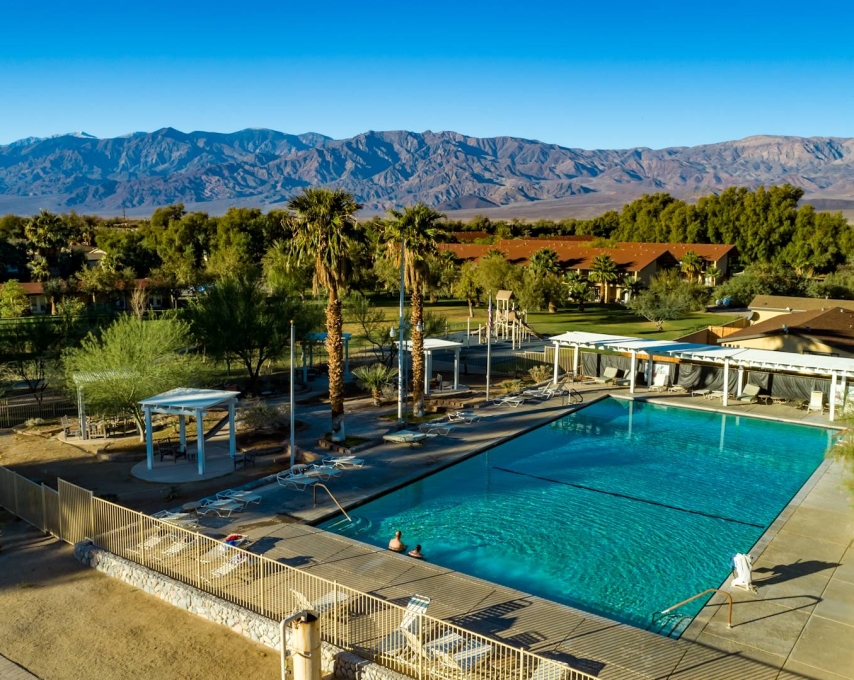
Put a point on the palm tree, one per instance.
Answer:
(374, 378)
(324, 232)
(545, 261)
(417, 227)
(692, 265)
(713, 274)
(634, 286)
(604, 272)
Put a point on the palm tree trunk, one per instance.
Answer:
(417, 350)
(335, 350)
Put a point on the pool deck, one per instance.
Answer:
(800, 624)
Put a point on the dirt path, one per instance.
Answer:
(63, 621)
(44, 459)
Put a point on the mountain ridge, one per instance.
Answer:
(384, 169)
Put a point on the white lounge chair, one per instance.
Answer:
(322, 604)
(219, 507)
(743, 566)
(748, 394)
(245, 497)
(660, 382)
(344, 461)
(514, 401)
(218, 552)
(299, 481)
(178, 545)
(324, 472)
(550, 670)
(434, 427)
(609, 374)
(150, 543)
(467, 417)
(231, 565)
(816, 402)
(462, 661)
(395, 642)
(406, 437)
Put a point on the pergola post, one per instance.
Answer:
(149, 439)
(81, 410)
(740, 388)
(634, 373)
(428, 369)
(832, 396)
(726, 383)
(650, 368)
(346, 356)
(575, 357)
(844, 394)
(182, 431)
(457, 368)
(556, 364)
(232, 434)
(200, 439)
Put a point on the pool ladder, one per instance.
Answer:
(334, 500)
(667, 620)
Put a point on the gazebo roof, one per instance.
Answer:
(188, 400)
(433, 344)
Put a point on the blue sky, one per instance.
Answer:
(589, 75)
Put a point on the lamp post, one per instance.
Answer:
(403, 369)
(400, 380)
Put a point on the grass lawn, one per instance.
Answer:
(612, 319)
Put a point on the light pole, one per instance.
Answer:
(400, 339)
(293, 436)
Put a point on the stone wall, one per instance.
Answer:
(257, 628)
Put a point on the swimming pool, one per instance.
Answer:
(620, 509)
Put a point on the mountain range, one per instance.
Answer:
(455, 173)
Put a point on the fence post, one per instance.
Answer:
(198, 561)
(59, 506)
(15, 493)
(44, 510)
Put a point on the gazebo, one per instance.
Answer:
(188, 401)
(437, 345)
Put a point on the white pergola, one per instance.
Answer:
(837, 368)
(188, 401)
(436, 345)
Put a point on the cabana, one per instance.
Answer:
(188, 401)
(320, 338)
(436, 345)
(839, 369)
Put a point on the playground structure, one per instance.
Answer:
(508, 322)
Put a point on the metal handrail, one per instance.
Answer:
(694, 597)
(334, 500)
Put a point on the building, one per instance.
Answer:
(118, 299)
(828, 331)
(766, 307)
(637, 261)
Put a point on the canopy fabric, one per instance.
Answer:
(772, 360)
(433, 344)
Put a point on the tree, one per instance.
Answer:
(374, 378)
(604, 272)
(416, 226)
(495, 273)
(133, 360)
(669, 297)
(692, 266)
(713, 274)
(324, 232)
(634, 287)
(467, 286)
(48, 235)
(544, 262)
(761, 279)
(30, 351)
(374, 326)
(238, 318)
(13, 299)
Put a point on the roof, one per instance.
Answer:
(629, 256)
(770, 360)
(834, 327)
(503, 295)
(188, 400)
(785, 303)
(433, 344)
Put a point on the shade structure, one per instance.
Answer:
(190, 401)
(729, 357)
(437, 345)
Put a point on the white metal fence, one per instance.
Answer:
(411, 643)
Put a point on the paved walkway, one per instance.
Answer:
(796, 627)
(12, 671)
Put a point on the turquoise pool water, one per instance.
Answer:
(621, 509)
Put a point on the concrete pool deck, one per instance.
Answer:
(799, 625)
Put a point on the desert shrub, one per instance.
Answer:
(34, 422)
(261, 417)
(540, 372)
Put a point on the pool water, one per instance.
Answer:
(620, 509)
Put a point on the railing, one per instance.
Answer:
(373, 628)
(334, 500)
(694, 597)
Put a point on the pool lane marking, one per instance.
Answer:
(631, 498)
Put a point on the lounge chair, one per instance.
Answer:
(235, 563)
(324, 472)
(514, 401)
(462, 661)
(178, 545)
(298, 479)
(434, 427)
(219, 551)
(816, 402)
(150, 543)
(406, 437)
(749, 394)
(220, 507)
(245, 497)
(344, 461)
(660, 383)
(322, 604)
(395, 642)
(69, 430)
(179, 519)
(609, 374)
(467, 417)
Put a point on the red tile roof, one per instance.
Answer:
(833, 326)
